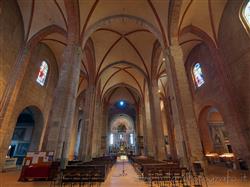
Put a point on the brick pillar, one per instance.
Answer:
(63, 109)
(138, 130)
(99, 128)
(170, 128)
(156, 121)
(150, 148)
(103, 127)
(96, 135)
(188, 141)
(146, 135)
(106, 128)
(74, 133)
(86, 133)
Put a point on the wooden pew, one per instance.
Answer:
(159, 171)
(92, 172)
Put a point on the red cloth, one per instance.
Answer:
(35, 172)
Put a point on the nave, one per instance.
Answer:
(216, 177)
(83, 80)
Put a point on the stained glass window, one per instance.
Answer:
(198, 75)
(43, 71)
(246, 13)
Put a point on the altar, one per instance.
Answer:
(122, 140)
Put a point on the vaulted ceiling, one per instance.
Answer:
(123, 34)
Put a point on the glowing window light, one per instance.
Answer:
(131, 139)
(198, 75)
(41, 78)
(111, 139)
(121, 103)
(246, 13)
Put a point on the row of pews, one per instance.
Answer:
(91, 173)
(162, 173)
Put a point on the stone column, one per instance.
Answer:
(86, 133)
(106, 127)
(101, 137)
(187, 134)
(138, 129)
(148, 133)
(103, 129)
(74, 132)
(156, 120)
(96, 135)
(144, 125)
(170, 128)
(63, 109)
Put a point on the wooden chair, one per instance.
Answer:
(199, 174)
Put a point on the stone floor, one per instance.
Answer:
(217, 177)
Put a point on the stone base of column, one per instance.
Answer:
(63, 163)
(2, 159)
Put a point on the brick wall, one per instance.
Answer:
(32, 93)
(235, 45)
(210, 94)
(11, 39)
(211, 91)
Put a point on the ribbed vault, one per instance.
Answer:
(122, 35)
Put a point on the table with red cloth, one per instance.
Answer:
(36, 172)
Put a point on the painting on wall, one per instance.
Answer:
(218, 134)
(19, 134)
(22, 149)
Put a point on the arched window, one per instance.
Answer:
(245, 15)
(42, 75)
(198, 75)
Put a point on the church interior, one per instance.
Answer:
(119, 93)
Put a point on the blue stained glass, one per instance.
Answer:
(198, 75)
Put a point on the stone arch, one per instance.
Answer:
(126, 119)
(106, 21)
(213, 132)
(28, 132)
(124, 62)
(157, 50)
(121, 133)
(201, 34)
(123, 85)
(45, 32)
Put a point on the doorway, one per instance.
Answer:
(27, 134)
